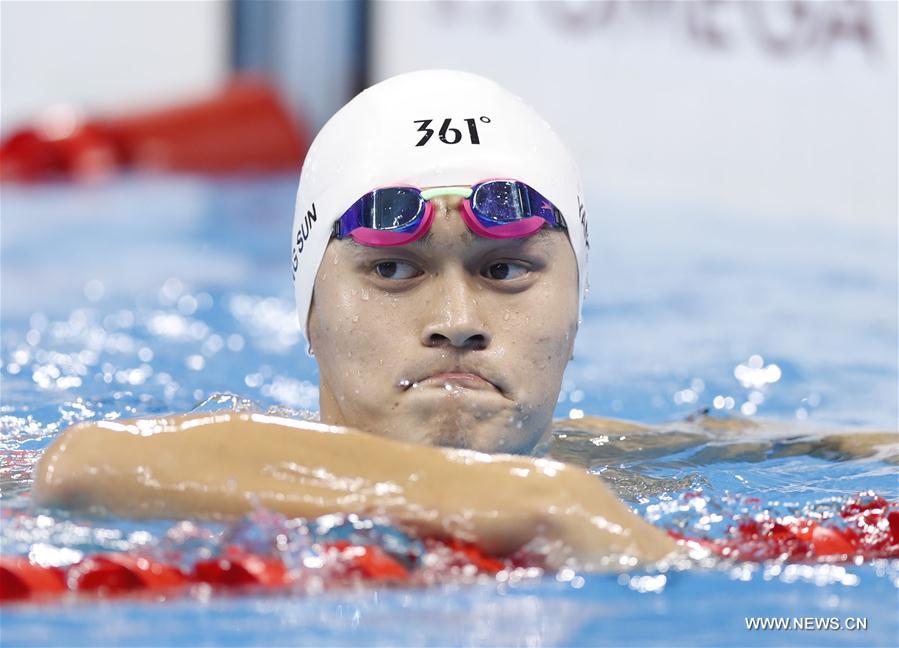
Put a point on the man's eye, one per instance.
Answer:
(504, 271)
(396, 270)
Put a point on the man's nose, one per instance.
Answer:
(454, 315)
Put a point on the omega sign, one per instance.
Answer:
(781, 29)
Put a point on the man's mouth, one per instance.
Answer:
(455, 378)
(461, 379)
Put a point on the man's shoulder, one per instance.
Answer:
(600, 424)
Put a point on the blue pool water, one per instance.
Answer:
(145, 296)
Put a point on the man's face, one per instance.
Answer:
(454, 340)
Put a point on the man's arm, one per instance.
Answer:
(223, 464)
(747, 440)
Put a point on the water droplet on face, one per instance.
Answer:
(405, 382)
(506, 316)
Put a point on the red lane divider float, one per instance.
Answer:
(21, 579)
(237, 571)
(369, 562)
(867, 527)
(122, 573)
(473, 555)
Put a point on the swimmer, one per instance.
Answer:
(439, 253)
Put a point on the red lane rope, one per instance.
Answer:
(865, 527)
(123, 573)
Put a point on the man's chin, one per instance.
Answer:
(489, 441)
(484, 430)
(486, 424)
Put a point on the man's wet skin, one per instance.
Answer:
(225, 464)
(454, 340)
(628, 454)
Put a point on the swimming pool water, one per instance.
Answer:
(149, 295)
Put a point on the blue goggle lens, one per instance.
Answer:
(390, 208)
(501, 201)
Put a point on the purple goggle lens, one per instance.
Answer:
(494, 209)
(392, 208)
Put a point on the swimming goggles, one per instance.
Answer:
(497, 209)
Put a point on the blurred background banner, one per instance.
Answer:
(783, 109)
(778, 110)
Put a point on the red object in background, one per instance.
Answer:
(244, 128)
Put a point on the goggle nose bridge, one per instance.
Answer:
(468, 192)
(433, 192)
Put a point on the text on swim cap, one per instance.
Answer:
(449, 134)
(302, 234)
(582, 214)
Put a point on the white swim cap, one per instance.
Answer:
(479, 130)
